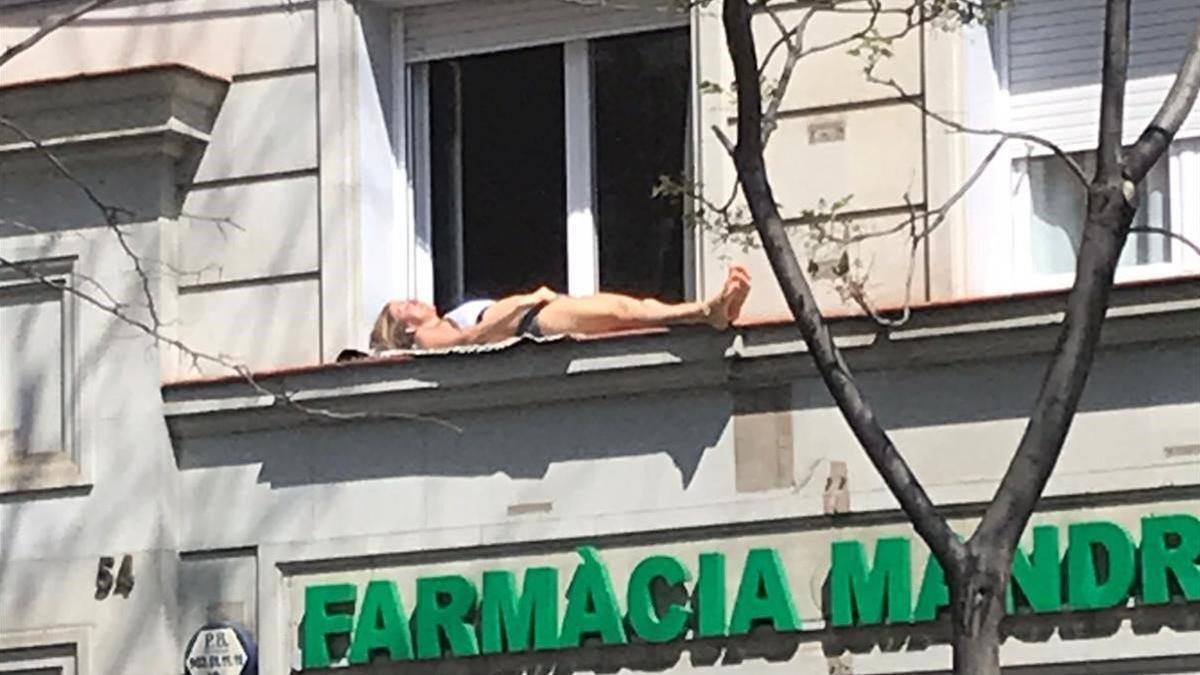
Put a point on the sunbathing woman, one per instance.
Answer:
(409, 324)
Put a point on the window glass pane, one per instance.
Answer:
(1154, 210)
(498, 174)
(1059, 206)
(640, 98)
(31, 377)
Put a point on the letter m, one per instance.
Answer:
(855, 588)
(508, 620)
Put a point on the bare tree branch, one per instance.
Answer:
(795, 41)
(726, 142)
(111, 214)
(281, 396)
(1112, 91)
(1175, 109)
(51, 24)
(979, 131)
(1105, 230)
(1170, 235)
(748, 156)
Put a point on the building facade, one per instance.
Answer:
(179, 449)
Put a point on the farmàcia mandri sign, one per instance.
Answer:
(454, 616)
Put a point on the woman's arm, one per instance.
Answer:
(500, 320)
(498, 323)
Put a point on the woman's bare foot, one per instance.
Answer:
(739, 294)
(725, 307)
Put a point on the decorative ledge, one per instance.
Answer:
(745, 358)
(111, 130)
(110, 109)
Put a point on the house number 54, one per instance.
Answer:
(106, 584)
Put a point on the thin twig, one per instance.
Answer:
(111, 214)
(281, 396)
(50, 25)
(1007, 135)
(1169, 234)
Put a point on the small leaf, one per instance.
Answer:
(843, 265)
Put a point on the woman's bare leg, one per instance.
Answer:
(606, 312)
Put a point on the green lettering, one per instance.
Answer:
(1038, 575)
(1180, 560)
(854, 586)
(763, 594)
(1085, 590)
(709, 596)
(591, 604)
(507, 620)
(319, 624)
(444, 605)
(381, 625)
(934, 593)
(643, 615)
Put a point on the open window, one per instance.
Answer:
(542, 164)
(1025, 225)
(535, 148)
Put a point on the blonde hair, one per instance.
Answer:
(389, 332)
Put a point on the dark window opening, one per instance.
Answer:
(498, 174)
(640, 99)
(498, 167)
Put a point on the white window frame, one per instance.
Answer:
(1183, 259)
(68, 467)
(411, 183)
(583, 241)
(998, 244)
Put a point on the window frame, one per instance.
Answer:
(413, 210)
(1183, 259)
(65, 649)
(1001, 262)
(67, 467)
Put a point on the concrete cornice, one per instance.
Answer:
(165, 109)
(746, 358)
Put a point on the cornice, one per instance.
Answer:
(167, 109)
(743, 358)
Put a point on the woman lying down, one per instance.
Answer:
(412, 324)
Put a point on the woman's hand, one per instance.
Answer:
(543, 295)
(500, 321)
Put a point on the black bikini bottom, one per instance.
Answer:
(529, 323)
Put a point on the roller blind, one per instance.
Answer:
(1054, 56)
(473, 26)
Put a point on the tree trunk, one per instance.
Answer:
(977, 608)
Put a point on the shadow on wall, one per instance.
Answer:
(1024, 626)
(521, 443)
(765, 645)
(762, 644)
(1123, 377)
(525, 442)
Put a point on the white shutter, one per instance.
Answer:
(475, 26)
(1054, 56)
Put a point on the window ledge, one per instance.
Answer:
(747, 357)
(35, 473)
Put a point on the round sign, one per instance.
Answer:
(221, 649)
